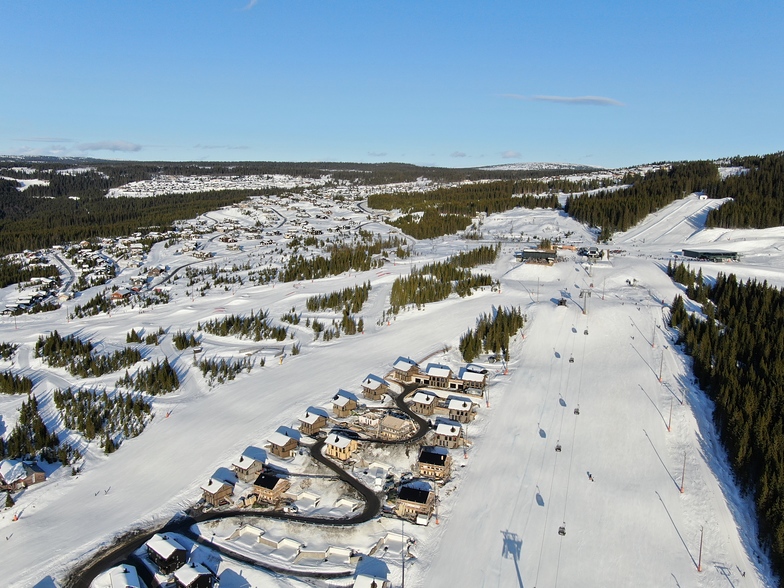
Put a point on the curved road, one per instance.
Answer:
(123, 550)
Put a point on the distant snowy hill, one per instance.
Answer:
(538, 166)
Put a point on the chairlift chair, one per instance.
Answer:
(585, 332)
(571, 359)
(562, 530)
(577, 410)
(558, 447)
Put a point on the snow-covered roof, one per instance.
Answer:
(248, 458)
(279, 439)
(437, 370)
(372, 382)
(470, 376)
(124, 576)
(191, 572)
(404, 364)
(448, 430)
(338, 441)
(342, 398)
(12, 470)
(423, 398)
(214, 485)
(460, 404)
(163, 545)
(310, 418)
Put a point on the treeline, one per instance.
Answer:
(353, 298)
(10, 383)
(28, 222)
(492, 333)
(13, 272)
(30, 438)
(7, 350)
(222, 369)
(365, 173)
(449, 210)
(340, 258)
(478, 256)
(433, 282)
(256, 326)
(96, 305)
(159, 378)
(619, 210)
(738, 358)
(757, 195)
(96, 414)
(77, 357)
(184, 340)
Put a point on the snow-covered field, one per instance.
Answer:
(614, 486)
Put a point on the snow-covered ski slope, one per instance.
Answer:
(499, 522)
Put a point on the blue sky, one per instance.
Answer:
(451, 83)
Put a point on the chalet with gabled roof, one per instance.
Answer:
(217, 492)
(434, 462)
(374, 387)
(270, 488)
(340, 447)
(449, 435)
(249, 464)
(413, 501)
(462, 410)
(313, 421)
(194, 575)
(166, 553)
(343, 403)
(404, 369)
(282, 445)
(394, 428)
(435, 375)
(423, 403)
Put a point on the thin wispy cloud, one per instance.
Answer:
(109, 146)
(46, 140)
(233, 147)
(250, 4)
(511, 155)
(571, 100)
(377, 153)
(457, 154)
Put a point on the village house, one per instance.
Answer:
(343, 403)
(415, 501)
(449, 435)
(124, 576)
(193, 575)
(249, 464)
(15, 475)
(121, 294)
(471, 379)
(166, 553)
(394, 428)
(282, 445)
(423, 403)
(340, 447)
(461, 410)
(374, 388)
(404, 369)
(269, 488)
(312, 422)
(434, 462)
(217, 492)
(435, 375)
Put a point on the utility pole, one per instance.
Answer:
(604, 285)
(585, 295)
(653, 337)
(683, 474)
(669, 422)
(661, 366)
(699, 560)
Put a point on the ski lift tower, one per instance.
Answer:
(585, 295)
